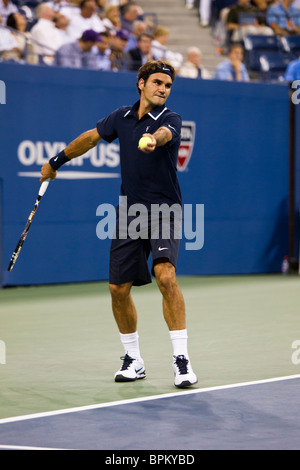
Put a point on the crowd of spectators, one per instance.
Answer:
(233, 20)
(95, 34)
(117, 35)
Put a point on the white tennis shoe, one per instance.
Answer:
(131, 369)
(183, 372)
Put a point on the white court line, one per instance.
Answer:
(3, 447)
(141, 399)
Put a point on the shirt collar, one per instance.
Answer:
(155, 113)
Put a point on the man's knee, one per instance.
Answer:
(165, 276)
(120, 291)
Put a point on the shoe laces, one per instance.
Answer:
(127, 361)
(181, 362)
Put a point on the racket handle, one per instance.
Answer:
(43, 187)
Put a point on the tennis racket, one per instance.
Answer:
(16, 253)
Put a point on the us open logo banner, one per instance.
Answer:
(188, 131)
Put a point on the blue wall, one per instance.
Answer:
(238, 169)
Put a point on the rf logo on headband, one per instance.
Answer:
(188, 131)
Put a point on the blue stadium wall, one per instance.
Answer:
(234, 163)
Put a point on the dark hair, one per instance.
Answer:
(236, 46)
(144, 35)
(11, 21)
(155, 66)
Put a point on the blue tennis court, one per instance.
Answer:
(262, 415)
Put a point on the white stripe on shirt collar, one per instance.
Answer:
(156, 117)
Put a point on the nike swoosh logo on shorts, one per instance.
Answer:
(160, 249)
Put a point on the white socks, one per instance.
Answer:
(178, 338)
(179, 341)
(130, 342)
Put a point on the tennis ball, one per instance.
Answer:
(144, 141)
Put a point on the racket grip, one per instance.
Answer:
(43, 187)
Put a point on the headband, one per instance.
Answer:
(157, 69)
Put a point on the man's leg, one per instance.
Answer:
(173, 302)
(174, 314)
(123, 307)
(126, 318)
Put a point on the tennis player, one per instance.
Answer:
(149, 178)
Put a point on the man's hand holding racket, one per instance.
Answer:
(47, 172)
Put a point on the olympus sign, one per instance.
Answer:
(37, 153)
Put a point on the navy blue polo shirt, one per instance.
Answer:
(146, 178)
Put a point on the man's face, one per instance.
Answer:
(157, 88)
(236, 54)
(89, 9)
(145, 44)
(195, 58)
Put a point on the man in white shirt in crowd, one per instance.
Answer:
(192, 67)
(86, 18)
(46, 33)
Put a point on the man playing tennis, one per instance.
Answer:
(148, 178)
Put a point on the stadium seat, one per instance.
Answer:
(291, 44)
(261, 42)
(273, 65)
(256, 45)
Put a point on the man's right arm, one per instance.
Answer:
(77, 147)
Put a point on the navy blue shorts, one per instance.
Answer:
(129, 256)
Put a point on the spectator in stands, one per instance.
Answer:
(103, 52)
(62, 23)
(204, 12)
(283, 18)
(192, 66)
(71, 9)
(6, 8)
(239, 27)
(159, 43)
(139, 27)
(233, 69)
(129, 14)
(112, 18)
(118, 57)
(78, 54)
(8, 44)
(24, 48)
(142, 53)
(45, 33)
(262, 8)
(86, 19)
(160, 49)
(293, 71)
